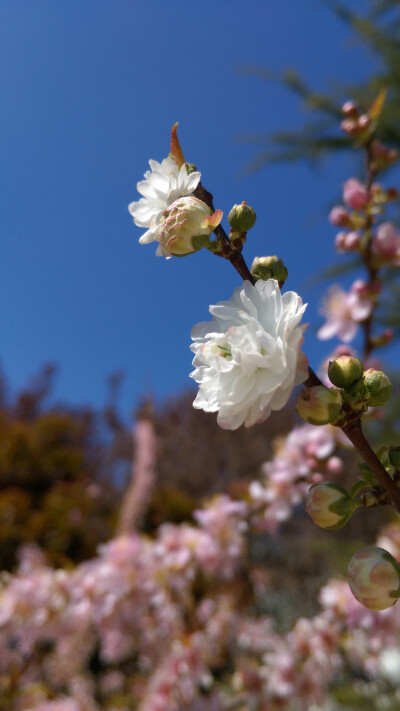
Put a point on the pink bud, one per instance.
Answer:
(349, 126)
(339, 216)
(386, 243)
(351, 241)
(334, 465)
(361, 288)
(350, 109)
(355, 194)
(364, 122)
(339, 241)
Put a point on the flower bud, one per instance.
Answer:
(394, 456)
(364, 122)
(350, 126)
(340, 217)
(374, 578)
(329, 505)
(350, 109)
(355, 194)
(378, 387)
(319, 405)
(345, 371)
(242, 217)
(269, 268)
(186, 225)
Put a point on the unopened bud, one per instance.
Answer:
(242, 217)
(340, 217)
(394, 456)
(350, 109)
(269, 268)
(319, 405)
(350, 126)
(378, 387)
(374, 578)
(345, 371)
(355, 194)
(186, 225)
(364, 122)
(329, 505)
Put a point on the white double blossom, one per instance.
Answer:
(163, 184)
(248, 359)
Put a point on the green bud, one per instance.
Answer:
(378, 387)
(319, 405)
(269, 268)
(242, 217)
(374, 578)
(345, 371)
(329, 505)
(394, 456)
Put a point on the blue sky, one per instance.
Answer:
(89, 92)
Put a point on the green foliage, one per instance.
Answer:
(51, 490)
(379, 30)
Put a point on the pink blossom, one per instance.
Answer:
(347, 241)
(355, 194)
(344, 310)
(301, 459)
(386, 244)
(339, 216)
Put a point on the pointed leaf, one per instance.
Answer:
(377, 105)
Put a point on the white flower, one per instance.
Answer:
(164, 184)
(248, 357)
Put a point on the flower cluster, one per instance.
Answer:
(306, 456)
(161, 622)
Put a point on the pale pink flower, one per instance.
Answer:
(344, 311)
(302, 459)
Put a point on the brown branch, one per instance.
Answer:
(366, 254)
(229, 251)
(357, 438)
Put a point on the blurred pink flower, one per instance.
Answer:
(355, 194)
(344, 311)
(386, 244)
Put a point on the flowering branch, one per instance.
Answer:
(356, 436)
(229, 249)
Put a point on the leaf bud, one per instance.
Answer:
(394, 456)
(329, 505)
(378, 387)
(269, 268)
(242, 217)
(345, 371)
(186, 226)
(374, 578)
(319, 405)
